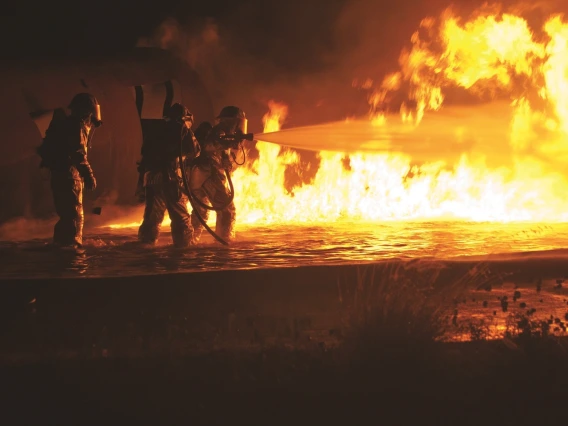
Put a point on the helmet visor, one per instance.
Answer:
(232, 125)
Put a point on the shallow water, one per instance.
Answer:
(116, 253)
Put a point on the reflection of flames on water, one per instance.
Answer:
(493, 55)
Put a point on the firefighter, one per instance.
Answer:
(64, 153)
(212, 170)
(162, 183)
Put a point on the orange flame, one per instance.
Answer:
(490, 56)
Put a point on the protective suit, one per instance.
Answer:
(64, 153)
(162, 180)
(210, 171)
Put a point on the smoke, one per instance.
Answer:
(25, 228)
(198, 43)
(306, 55)
(19, 229)
(287, 53)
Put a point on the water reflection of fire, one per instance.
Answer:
(491, 55)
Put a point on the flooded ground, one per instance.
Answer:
(115, 252)
(527, 260)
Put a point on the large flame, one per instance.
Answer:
(490, 56)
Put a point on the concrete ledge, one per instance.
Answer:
(172, 314)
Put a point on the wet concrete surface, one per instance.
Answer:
(115, 252)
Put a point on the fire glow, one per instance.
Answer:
(491, 56)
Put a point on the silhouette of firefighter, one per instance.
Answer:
(64, 153)
(161, 177)
(211, 171)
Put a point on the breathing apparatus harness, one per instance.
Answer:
(230, 140)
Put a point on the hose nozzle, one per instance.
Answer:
(248, 137)
(237, 138)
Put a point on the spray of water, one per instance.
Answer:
(440, 136)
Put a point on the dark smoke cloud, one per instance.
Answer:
(305, 54)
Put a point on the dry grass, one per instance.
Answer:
(401, 302)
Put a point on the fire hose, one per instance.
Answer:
(193, 200)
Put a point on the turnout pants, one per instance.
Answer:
(209, 185)
(161, 195)
(68, 199)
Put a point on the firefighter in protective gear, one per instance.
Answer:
(209, 174)
(162, 178)
(64, 153)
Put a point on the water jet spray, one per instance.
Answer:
(440, 136)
